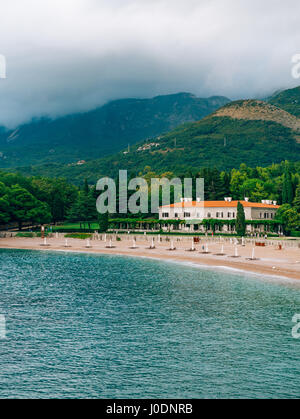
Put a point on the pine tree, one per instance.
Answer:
(287, 187)
(240, 220)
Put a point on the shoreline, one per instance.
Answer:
(268, 264)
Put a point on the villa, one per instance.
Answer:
(197, 215)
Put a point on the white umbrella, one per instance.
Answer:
(236, 253)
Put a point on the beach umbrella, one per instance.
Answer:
(66, 243)
(222, 250)
(253, 253)
(45, 241)
(152, 243)
(236, 254)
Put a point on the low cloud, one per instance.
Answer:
(73, 55)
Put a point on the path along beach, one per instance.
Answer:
(268, 260)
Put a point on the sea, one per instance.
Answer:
(84, 326)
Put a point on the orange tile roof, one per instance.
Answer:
(221, 204)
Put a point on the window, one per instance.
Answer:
(233, 215)
(208, 215)
(165, 215)
(187, 215)
(176, 215)
(217, 215)
(229, 215)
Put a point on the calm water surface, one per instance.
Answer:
(85, 326)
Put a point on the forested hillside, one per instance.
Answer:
(100, 132)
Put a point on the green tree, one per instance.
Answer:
(90, 208)
(4, 210)
(84, 208)
(289, 218)
(287, 187)
(24, 207)
(40, 214)
(296, 202)
(103, 222)
(240, 220)
(237, 179)
(86, 187)
(77, 211)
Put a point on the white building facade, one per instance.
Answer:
(193, 213)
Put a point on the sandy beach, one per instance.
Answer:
(270, 260)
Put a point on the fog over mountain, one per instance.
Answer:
(70, 56)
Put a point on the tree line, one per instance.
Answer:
(41, 200)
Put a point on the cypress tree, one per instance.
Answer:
(86, 188)
(103, 222)
(240, 220)
(287, 187)
(296, 202)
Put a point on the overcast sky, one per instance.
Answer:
(66, 56)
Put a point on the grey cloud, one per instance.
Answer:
(67, 56)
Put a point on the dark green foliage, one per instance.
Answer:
(24, 207)
(86, 188)
(287, 187)
(198, 145)
(103, 222)
(296, 202)
(100, 132)
(33, 200)
(289, 100)
(240, 220)
(289, 217)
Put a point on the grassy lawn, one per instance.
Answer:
(75, 226)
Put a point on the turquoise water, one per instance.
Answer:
(85, 326)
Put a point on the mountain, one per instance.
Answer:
(252, 132)
(257, 110)
(100, 132)
(288, 100)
